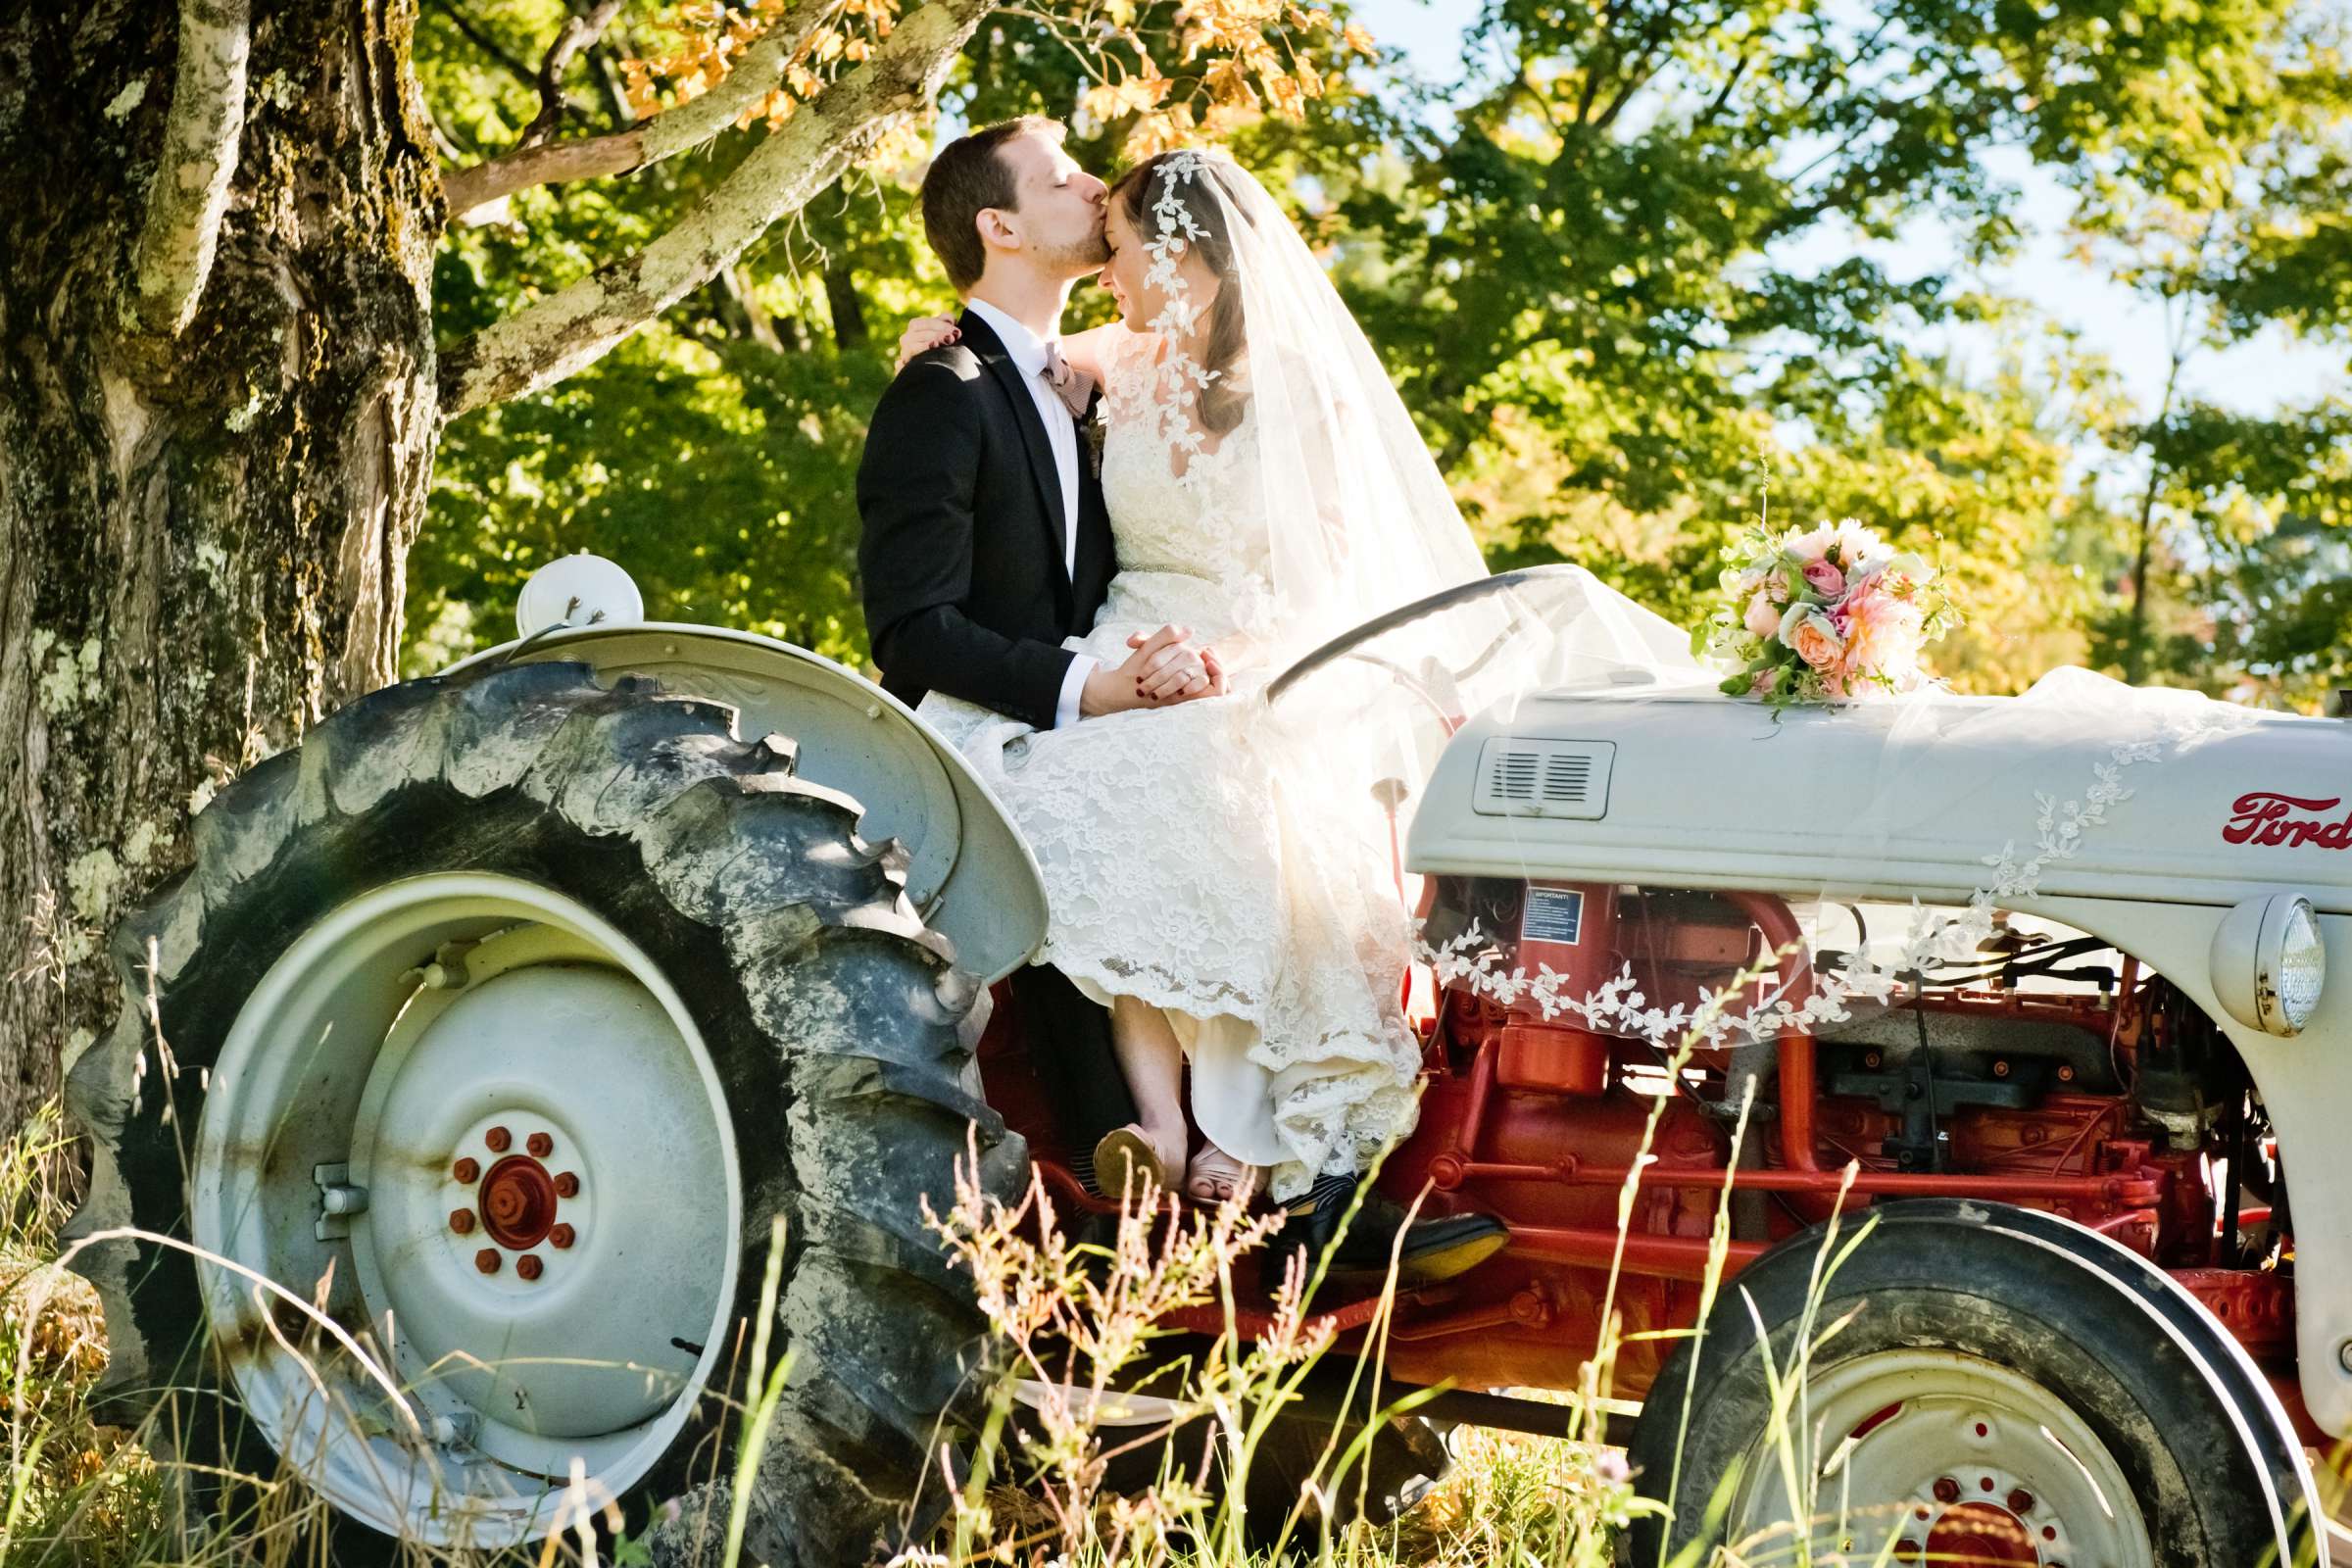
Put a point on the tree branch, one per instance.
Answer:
(551, 340)
(190, 189)
(665, 135)
(486, 45)
(581, 29)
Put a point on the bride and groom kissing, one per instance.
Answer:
(1083, 557)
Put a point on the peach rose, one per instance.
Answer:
(1813, 637)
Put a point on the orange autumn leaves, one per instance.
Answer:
(1228, 60)
(709, 38)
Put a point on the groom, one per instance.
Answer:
(986, 543)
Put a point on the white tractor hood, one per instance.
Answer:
(1901, 798)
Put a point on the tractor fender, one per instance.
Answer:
(2306, 1085)
(968, 869)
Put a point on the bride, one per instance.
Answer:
(1218, 875)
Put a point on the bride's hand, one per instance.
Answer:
(1179, 672)
(926, 332)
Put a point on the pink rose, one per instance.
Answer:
(1763, 616)
(1813, 637)
(1823, 578)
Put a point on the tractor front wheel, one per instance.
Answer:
(1983, 1385)
(504, 1024)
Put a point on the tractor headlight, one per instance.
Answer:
(2269, 963)
(577, 591)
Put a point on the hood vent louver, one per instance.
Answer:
(1520, 776)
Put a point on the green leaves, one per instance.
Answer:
(1632, 281)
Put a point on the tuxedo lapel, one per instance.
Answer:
(982, 340)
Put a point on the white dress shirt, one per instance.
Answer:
(1027, 351)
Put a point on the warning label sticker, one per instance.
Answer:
(1554, 914)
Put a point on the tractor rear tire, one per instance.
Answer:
(588, 941)
(2005, 1387)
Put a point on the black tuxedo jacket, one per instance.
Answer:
(961, 553)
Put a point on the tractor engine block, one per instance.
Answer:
(2053, 1073)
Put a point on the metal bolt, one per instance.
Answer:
(2021, 1501)
(1946, 1490)
(1871, 1058)
(457, 1431)
(561, 1236)
(2343, 1354)
(2066, 1072)
(567, 1185)
(467, 1170)
(2000, 1069)
(487, 1260)
(460, 1220)
(540, 1144)
(528, 1265)
(498, 1138)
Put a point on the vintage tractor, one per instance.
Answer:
(504, 1017)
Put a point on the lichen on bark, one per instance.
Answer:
(178, 596)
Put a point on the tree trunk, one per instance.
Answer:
(201, 535)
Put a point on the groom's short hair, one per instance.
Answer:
(965, 180)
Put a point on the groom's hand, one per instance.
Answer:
(1165, 669)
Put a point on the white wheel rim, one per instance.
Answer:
(1948, 1458)
(553, 1024)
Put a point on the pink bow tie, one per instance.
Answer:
(1074, 387)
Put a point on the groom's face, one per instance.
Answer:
(1059, 216)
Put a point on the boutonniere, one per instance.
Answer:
(1093, 429)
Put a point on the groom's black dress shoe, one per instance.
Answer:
(1434, 1246)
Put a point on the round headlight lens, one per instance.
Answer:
(2302, 966)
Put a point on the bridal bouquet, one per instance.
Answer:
(1828, 612)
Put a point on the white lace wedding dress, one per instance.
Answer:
(1194, 856)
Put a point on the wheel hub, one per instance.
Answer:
(518, 1203)
(1952, 1460)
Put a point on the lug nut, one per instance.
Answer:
(2021, 1501)
(561, 1236)
(1946, 1490)
(540, 1144)
(528, 1265)
(567, 1185)
(468, 1170)
(486, 1260)
(498, 1138)
(460, 1220)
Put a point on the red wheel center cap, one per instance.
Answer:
(517, 1204)
(1980, 1535)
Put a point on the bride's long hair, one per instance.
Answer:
(1144, 193)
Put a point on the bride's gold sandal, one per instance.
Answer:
(1125, 1161)
(1229, 1180)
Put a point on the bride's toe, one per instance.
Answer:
(1216, 1177)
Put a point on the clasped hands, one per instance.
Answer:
(1164, 669)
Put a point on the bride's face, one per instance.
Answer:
(1126, 274)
